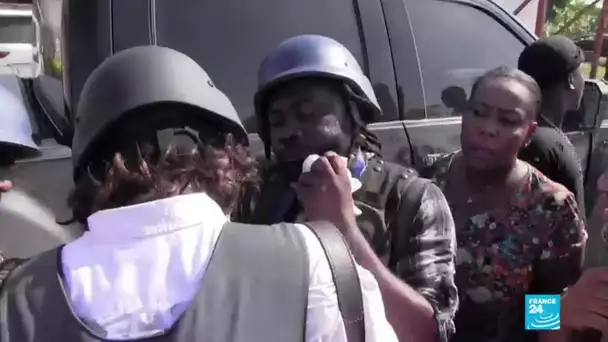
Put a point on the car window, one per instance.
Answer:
(230, 38)
(585, 117)
(454, 50)
(16, 30)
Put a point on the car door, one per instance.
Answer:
(579, 127)
(588, 129)
(594, 114)
(455, 42)
(251, 29)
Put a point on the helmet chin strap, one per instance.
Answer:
(150, 147)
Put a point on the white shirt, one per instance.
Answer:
(136, 263)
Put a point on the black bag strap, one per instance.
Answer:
(346, 279)
(7, 266)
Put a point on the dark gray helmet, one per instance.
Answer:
(15, 125)
(143, 76)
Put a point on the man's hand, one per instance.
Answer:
(325, 192)
(585, 305)
(5, 186)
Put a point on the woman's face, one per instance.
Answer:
(498, 123)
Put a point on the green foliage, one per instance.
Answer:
(56, 67)
(556, 5)
(584, 24)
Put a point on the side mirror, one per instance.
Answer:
(586, 116)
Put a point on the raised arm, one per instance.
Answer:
(426, 260)
(421, 298)
(421, 311)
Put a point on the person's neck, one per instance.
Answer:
(551, 114)
(482, 179)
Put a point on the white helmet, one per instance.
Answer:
(15, 125)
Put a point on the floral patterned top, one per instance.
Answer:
(532, 245)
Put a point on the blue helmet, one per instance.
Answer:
(15, 125)
(312, 55)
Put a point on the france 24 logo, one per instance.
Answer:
(543, 312)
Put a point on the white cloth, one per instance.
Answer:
(136, 263)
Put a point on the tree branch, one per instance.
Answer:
(576, 17)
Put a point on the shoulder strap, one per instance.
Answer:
(7, 266)
(346, 279)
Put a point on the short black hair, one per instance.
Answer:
(519, 76)
(454, 97)
(551, 60)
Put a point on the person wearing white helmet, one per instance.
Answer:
(16, 136)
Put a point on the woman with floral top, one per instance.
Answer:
(518, 232)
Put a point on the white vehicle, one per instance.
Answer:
(17, 40)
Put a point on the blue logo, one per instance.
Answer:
(542, 312)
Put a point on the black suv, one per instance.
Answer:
(422, 57)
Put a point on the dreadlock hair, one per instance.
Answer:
(364, 137)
